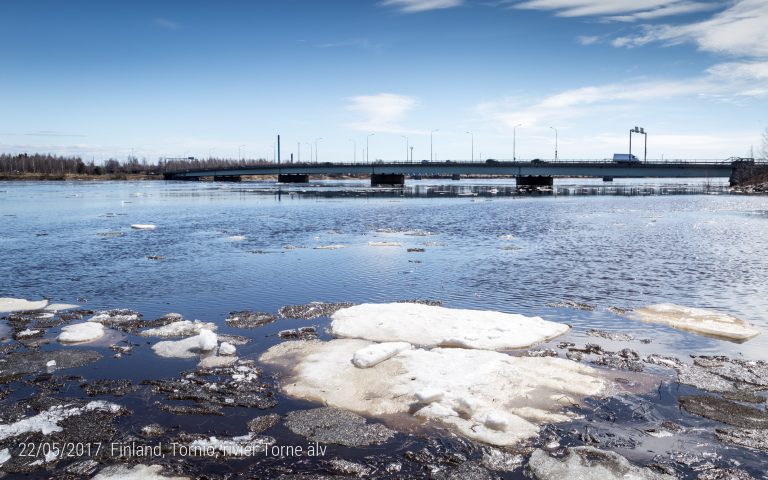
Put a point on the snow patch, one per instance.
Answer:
(696, 320)
(47, 422)
(81, 332)
(143, 226)
(136, 472)
(428, 325)
(376, 353)
(183, 328)
(385, 244)
(484, 395)
(188, 347)
(5, 455)
(8, 305)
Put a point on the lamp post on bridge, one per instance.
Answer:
(406, 147)
(641, 131)
(310, 150)
(553, 128)
(514, 141)
(431, 157)
(317, 140)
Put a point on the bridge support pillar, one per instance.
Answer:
(533, 182)
(455, 176)
(387, 179)
(607, 179)
(293, 178)
(227, 178)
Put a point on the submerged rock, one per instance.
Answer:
(725, 411)
(589, 463)
(620, 337)
(696, 320)
(332, 425)
(312, 310)
(426, 325)
(248, 319)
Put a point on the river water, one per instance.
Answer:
(230, 247)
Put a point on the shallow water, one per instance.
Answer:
(517, 254)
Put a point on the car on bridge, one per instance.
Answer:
(625, 158)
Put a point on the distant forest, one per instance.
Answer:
(56, 165)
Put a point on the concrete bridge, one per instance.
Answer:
(531, 173)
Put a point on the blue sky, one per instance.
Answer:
(200, 78)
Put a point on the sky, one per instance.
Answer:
(454, 79)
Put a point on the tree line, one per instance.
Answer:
(61, 165)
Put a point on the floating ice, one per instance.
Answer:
(330, 247)
(697, 320)
(20, 305)
(237, 238)
(5, 455)
(589, 463)
(227, 348)
(376, 353)
(188, 347)
(385, 244)
(81, 332)
(428, 325)
(47, 422)
(27, 333)
(50, 363)
(143, 226)
(183, 328)
(484, 395)
(242, 446)
(136, 472)
(57, 307)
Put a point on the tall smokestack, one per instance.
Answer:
(278, 149)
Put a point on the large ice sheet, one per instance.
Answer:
(427, 325)
(81, 332)
(697, 320)
(20, 305)
(485, 395)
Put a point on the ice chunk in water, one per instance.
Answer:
(589, 463)
(697, 320)
(81, 332)
(20, 305)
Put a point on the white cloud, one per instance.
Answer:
(626, 10)
(587, 39)
(741, 30)
(382, 112)
(166, 24)
(415, 6)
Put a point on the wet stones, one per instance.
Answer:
(738, 379)
(17, 364)
(332, 425)
(263, 422)
(626, 359)
(345, 467)
(465, 471)
(303, 333)
(543, 352)
(116, 388)
(433, 303)
(725, 411)
(248, 319)
(311, 310)
(621, 337)
(588, 462)
(756, 439)
(586, 307)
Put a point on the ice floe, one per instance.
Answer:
(190, 347)
(5, 455)
(57, 307)
(143, 226)
(20, 305)
(183, 328)
(28, 333)
(242, 446)
(47, 422)
(428, 325)
(237, 238)
(376, 353)
(135, 472)
(385, 244)
(330, 247)
(81, 332)
(697, 320)
(589, 463)
(227, 348)
(484, 395)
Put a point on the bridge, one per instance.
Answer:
(529, 173)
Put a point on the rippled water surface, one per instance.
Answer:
(228, 247)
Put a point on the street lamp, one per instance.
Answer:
(406, 147)
(641, 131)
(553, 128)
(367, 148)
(514, 141)
(431, 157)
(310, 150)
(473, 146)
(239, 157)
(316, 154)
(354, 151)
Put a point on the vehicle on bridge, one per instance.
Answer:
(625, 158)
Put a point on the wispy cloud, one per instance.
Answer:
(382, 112)
(738, 30)
(52, 133)
(624, 10)
(588, 39)
(362, 43)
(416, 6)
(165, 23)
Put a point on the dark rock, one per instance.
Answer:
(724, 474)
(465, 471)
(17, 364)
(725, 411)
(544, 352)
(756, 439)
(262, 423)
(587, 307)
(312, 310)
(332, 425)
(248, 319)
(114, 387)
(345, 467)
(622, 337)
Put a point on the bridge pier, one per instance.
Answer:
(227, 178)
(293, 178)
(532, 182)
(387, 179)
(455, 176)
